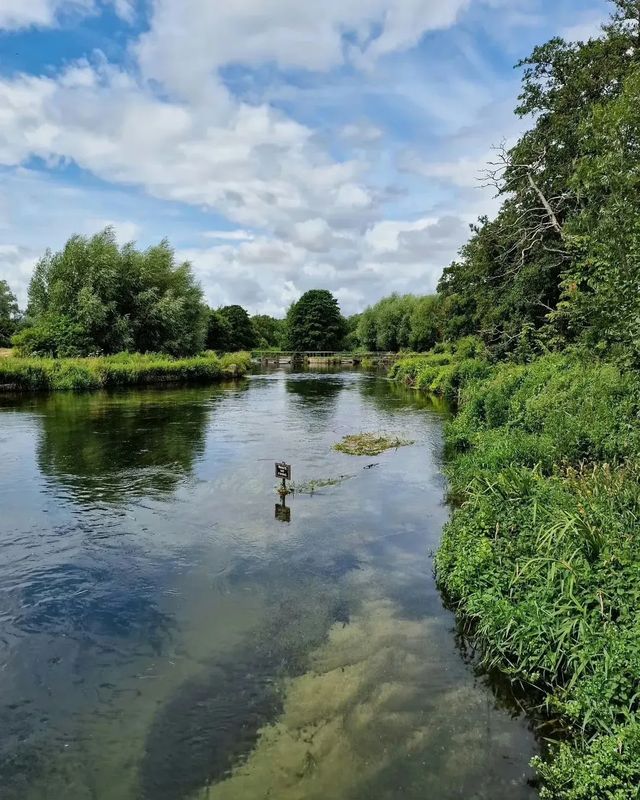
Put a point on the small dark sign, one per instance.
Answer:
(283, 513)
(283, 471)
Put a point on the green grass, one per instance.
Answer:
(541, 559)
(82, 374)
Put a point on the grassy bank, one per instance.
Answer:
(542, 556)
(79, 374)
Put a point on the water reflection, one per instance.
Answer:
(386, 394)
(171, 638)
(111, 447)
(317, 391)
(283, 512)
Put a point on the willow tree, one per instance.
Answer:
(94, 296)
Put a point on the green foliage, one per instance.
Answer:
(270, 332)
(446, 371)
(351, 341)
(241, 334)
(315, 323)
(559, 263)
(400, 323)
(607, 768)
(600, 303)
(541, 558)
(96, 297)
(8, 314)
(125, 369)
(218, 332)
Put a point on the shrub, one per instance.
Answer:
(43, 374)
(541, 559)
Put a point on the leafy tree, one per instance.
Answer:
(315, 322)
(517, 273)
(424, 324)
(218, 332)
(351, 341)
(269, 331)
(8, 314)
(366, 331)
(400, 322)
(94, 296)
(242, 335)
(600, 303)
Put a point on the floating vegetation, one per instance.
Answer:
(370, 444)
(310, 487)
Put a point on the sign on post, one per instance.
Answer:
(283, 471)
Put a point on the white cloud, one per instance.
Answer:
(237, 235)
(189, 41)
(587, 26)
(125, 230)
(309, 207)
(17, 14)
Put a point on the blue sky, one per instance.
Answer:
(279, 145)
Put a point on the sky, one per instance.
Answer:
(279, 145)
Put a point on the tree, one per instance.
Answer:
(242, 335)
(8, 314)
(600, 302)
(218, 332)
(518, 272)
(270, 332)
(399, 322)
(315, 322)
(351, 341)
(94, 296)
(424, 324)
(366, 331)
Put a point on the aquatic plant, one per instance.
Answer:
(314, 485)
(369, 444)
(126, 369)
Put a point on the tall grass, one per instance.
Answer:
(126, 369)
(542, 557)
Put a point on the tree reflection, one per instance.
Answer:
(111, 447)
(388, 395)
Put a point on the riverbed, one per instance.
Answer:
(169, 630)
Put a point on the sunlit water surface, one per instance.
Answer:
(165, 635)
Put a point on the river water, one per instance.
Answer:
(167, 634)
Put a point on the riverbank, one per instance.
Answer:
(126, 369)
(541, 559)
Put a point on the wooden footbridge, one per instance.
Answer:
(319, 358)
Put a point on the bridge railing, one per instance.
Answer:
(319, 354)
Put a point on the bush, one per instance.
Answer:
(45, 374)
(542, 558)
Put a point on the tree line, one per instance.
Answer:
(95, 297)
(558, 266)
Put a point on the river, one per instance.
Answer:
(167, 633)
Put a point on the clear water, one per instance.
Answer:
(165, 635)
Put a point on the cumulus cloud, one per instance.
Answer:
(288, 33)
(296, 207)
(17, 14)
